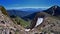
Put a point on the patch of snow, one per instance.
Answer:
(27, 30)
(39, 21)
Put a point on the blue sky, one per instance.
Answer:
(10, 4)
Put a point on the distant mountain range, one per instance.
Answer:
(23, 12)
(31, 9)
(18, 13)
(30, 13)
(54, 11)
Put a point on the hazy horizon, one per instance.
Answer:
(28, 8)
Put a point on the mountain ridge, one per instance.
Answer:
(54, 10)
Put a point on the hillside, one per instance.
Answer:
(20, 21)
(51, 24)
(7, 26)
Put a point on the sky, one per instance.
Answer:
(10, 4)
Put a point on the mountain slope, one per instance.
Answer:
(7, 26)
(51, 24)
(30, 16)
(20, 21)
